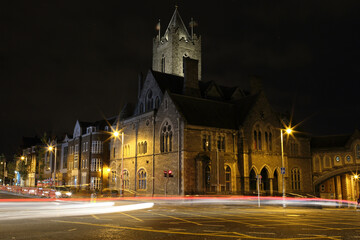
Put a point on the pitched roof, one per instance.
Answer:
(177, 23)
(169, 82)
(204, 112)
(334, 141)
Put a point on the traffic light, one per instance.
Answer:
(170, 174)
(165, 173)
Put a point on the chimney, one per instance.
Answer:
(140, 82)
(191, 81)
(255, 84)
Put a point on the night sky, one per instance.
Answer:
(61, 61)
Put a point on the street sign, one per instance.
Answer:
(282, 170)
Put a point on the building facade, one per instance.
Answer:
(214, 139)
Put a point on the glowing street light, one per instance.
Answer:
(116, 136)
(50, 149)
(288, 131)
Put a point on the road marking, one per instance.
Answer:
(180, 219)
(140, 220)
(261, 233)
(235, 234)
(95, 216)
(226, 220)
(73, 229)
(177, 229)
(321, 236)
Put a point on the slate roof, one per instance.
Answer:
(335, 141)
(204, 112)
(169, 82)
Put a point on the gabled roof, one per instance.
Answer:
(243, 106)
(169, 82)
(334, 141)
(177, 23)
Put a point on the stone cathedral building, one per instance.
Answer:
(214, 139)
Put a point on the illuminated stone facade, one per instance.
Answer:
(214, 139)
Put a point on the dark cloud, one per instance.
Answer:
(66, 60)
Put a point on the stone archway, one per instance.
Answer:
(265, 181)
(252, 181)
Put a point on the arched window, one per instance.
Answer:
(270, 141)
(157, 102)
(126, 179)
(142, 179)
(255, 140)
(207, 178)
(149, 100)
(166, 138)
(267, 141)
(259, 140)
(295, 179)
(227, 179)
(145, 147)
(357, 151)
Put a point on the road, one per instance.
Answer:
(185, 221)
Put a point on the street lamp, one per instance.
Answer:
(288, 131)
(116, 135)
(51, 148)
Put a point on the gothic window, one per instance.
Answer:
(267, 141)
(255, 140)
(142, 147)
(163, 63)
(357, 151)
(259, 140)
(126, 178)
(166, 138)
(221, 143)
(295, 179)
(270, 141)
(228, 179)
(157, 102)
(142, 179)
(149, 100)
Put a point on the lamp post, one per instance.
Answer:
(116, 135)
(288, 131)
(51, 148)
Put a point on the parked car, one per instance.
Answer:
(62, 192)
(107, 192)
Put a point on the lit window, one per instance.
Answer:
(142, 179)
(348, 158)
(166, 138)
(295, 179)
(126, 179)
(337, 158)
(228, 178)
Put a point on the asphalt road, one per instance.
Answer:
(182, 221)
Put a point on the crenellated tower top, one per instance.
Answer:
(176, 43)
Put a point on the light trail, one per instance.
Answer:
(12, 211)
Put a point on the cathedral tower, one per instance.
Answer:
(170, 49)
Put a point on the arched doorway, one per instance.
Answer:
(276, 182)
(265, 183)
(207, 179)
(252, 181)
